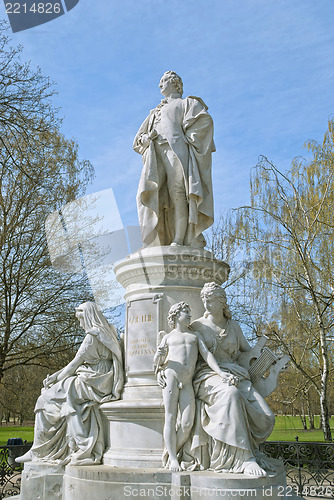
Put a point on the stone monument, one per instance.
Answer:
(216, 398)
(174, 200)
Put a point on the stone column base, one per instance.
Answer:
(106, 483)
(101, 482)
(135, 428)
(42, 481)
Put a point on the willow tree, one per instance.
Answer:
(287, 233)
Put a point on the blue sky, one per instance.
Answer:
(265, 68)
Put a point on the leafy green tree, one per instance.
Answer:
(287, 235)
(282, 249)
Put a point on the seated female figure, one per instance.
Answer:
(232, 420)
(68, 424)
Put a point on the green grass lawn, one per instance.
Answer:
(16, 432)
(286, 428)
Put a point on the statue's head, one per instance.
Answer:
(214, 299)
(171, 82)
(175, 311)
(89, 315)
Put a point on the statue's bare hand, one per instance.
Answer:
(161, 379)
(230, 379)
(50, 380)
(145, 140)
(162, 350)
(153, 135)
(233, 380)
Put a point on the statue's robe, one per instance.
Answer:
(68, 423)
(187, 127)
(230, 421)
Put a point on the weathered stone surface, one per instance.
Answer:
(41, 481)
(106, 483)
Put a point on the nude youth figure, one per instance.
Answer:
(176, 356)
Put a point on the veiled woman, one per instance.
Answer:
(68, 425)
(232, 420)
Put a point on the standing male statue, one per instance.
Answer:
(174, 199)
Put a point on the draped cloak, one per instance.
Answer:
(68, 424)
(187, 127)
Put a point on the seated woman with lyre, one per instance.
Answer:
(232, 420)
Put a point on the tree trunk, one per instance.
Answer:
(325, 416)
(311, 420)
(303, 417)
(310, 412)
(324, 384)
(320, 423)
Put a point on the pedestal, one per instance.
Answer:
(105, 483)
(135, 433)
(154, 279)
(42, 481)
(101, 482)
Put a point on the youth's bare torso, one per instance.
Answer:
(182, 355)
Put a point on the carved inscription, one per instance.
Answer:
(140, 318)
(138, 347)
(142, 328)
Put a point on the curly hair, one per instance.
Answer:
(174, 311)
(210, 289)
(175, 79)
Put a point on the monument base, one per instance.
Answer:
(106, 483)
(135, 438)
(42, 481)
(101, 482)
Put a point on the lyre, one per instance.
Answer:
(258, 361)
